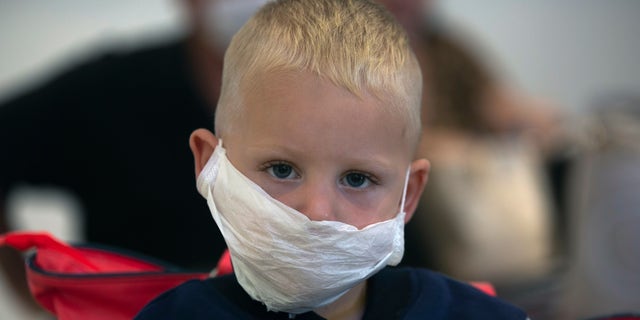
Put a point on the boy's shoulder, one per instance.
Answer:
(191, 300)
(393, 293)
(213, 298)
(418, 292)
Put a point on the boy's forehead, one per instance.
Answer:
(303, 93)
(304, 111)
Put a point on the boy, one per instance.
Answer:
(311, 178)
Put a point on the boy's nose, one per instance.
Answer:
(317, 202)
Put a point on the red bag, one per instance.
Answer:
(93, 283)
(75, 282)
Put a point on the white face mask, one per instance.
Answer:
(283, 259)
(225, 17)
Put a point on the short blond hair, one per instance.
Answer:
(355, 44)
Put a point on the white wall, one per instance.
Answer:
(39, 37)
(571, 51)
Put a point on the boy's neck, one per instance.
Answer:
(348, 307)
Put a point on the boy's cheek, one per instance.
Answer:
(376, 212)
(277, 190)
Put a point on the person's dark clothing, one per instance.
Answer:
(114, 131)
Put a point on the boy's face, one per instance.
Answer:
(321, 150)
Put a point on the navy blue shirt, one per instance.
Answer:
(393, 293)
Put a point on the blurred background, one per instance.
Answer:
(578, 58)
(569, 52)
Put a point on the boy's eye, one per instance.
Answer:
(357, 180)
(281, 171)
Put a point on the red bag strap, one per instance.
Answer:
(24, 241)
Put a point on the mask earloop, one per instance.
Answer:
(404, 190)
(209, 172)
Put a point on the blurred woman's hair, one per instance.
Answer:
(457, 83)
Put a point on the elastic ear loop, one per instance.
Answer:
(404, 190)
(208, 172)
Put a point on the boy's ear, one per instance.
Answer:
(202, 143)
(418, 176)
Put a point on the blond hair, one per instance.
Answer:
(357, 45)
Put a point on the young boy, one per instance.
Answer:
(311, 178)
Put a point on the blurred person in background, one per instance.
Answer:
(489, 212)
(75, 132)
(490, 209)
